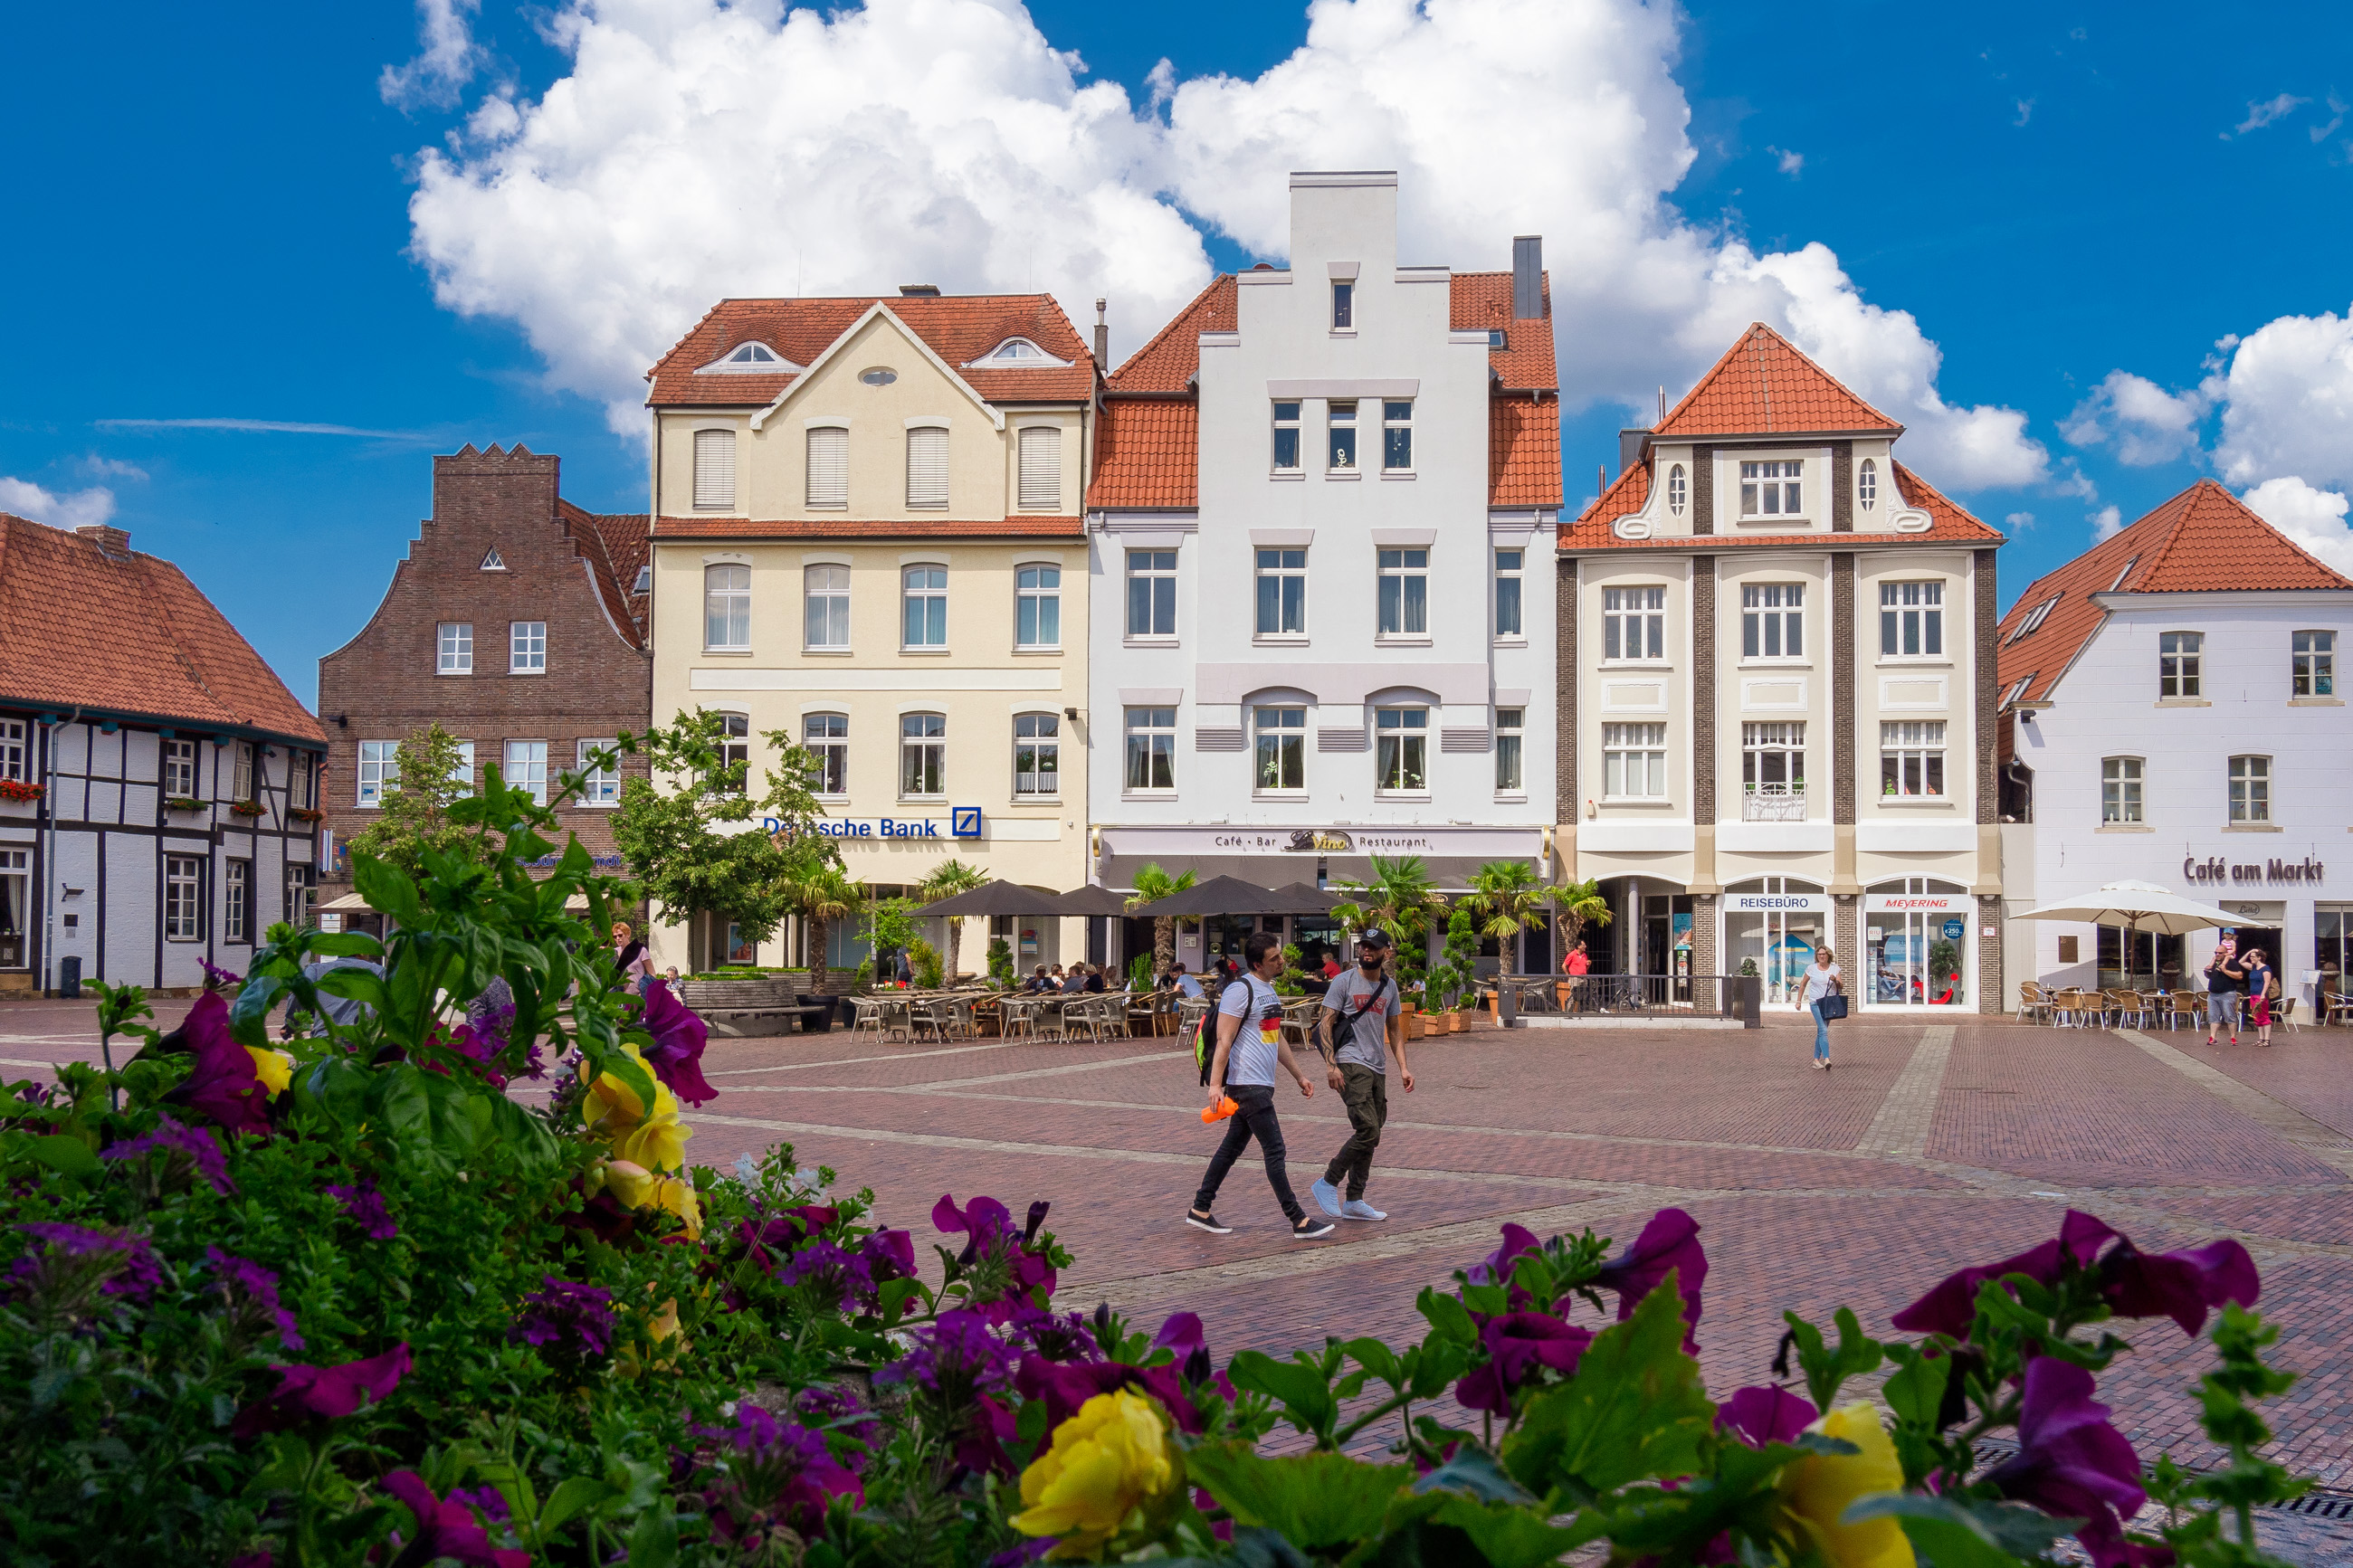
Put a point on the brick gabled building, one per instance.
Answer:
(517, 620)
(157, 780)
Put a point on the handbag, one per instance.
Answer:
(1832, 1005)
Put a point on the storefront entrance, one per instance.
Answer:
(1916, 943)
(1772, 926)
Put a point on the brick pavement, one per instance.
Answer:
(1934, 1143)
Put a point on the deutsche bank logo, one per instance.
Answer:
(964, 822)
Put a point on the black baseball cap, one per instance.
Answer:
(1375, 938)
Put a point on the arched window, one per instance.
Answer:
(1037, 606)
(922, 753)
(1678, 489)
(924, 598)
(1866, 484)
(827, 737)
(1037, 753)
(727, 607)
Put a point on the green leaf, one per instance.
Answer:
(68, 1154)
(654, 1543)
(575, 1494)
(1304, 1391)
(346, 945)
(1512, 1537)
(1449, 1318)
(248, 1016)
(896, 1294)
(1476, 1473)
(1314, 1500)
(1916, 1391)
(1827, 1369)
(1635, 1409)
(1954, 1533)
(386, 891)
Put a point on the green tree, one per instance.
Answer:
(1577, 905)
(1152, 885)
(951, 877)
(692, 833)
(1504, 895)
(890, 927)
(820, 892)
(416, 814)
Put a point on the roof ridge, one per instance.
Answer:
(1196, 302)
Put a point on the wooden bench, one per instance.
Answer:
(743, 1009)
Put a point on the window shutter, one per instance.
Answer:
(715, 468)
(829, 466)
(927, 467)
(1041, 471)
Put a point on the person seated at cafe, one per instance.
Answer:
(1094, 984)
(1186, 984)
(1331, 970)
(1075, 981)
(1037, 981)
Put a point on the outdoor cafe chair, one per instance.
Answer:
(2034, 1001)
(2124, 1006)
(2069, 1006)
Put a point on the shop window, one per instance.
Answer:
(1772, 927)
(1916, 931)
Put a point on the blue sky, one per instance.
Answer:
(2053, 195)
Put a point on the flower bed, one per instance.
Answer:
(247, 807)
(327, 1294)
(186, 803)
(17, 789)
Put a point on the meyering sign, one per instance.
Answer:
(2271, 872)
(1925, 903)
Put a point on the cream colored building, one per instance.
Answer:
(867, 534)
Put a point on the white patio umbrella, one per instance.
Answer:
(2137, 907)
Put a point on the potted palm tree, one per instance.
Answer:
(1152, 884)
(953, 877)
(1575, 905)
(1398, 898)
(1505, 896)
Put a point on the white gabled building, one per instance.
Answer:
(1321, 528)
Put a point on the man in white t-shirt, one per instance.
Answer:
(1251, 1049)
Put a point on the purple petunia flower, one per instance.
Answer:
(1520, 1346)
(216, 975)
(2183, 1286)
(224, 1085)
(1496, 1269)
(990, 1239)
(448, 1528)
(178, 1136)
(1052, 1336)
(2072, 1464)
(489, 1499)
(1065, 1387)
(569, 1324)
(1952, 1306)
(330, 1393)
(787, 1229)
(1668, 1242)
(256, 1289)
(838, 1276)
(774, 1471)
(888, 1255)
(839, 1410)
(125, 1261)
(955, 1357)
(1182, 1333)
(679, 1039)
(1766, 1414)
(363, 1205)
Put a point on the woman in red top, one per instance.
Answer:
(1575, 966)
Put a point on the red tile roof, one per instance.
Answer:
(848, 528)
(1147, 440)
(956, 327)
(614, 545)
(1763, 387)
(2202, 540)
(1593, 530)
(161, 650)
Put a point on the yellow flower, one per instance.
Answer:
(1818, 1489)
(642, 1189)
(1109, 1461)
(611, 1111)
(663, 1326)
(274, 1069)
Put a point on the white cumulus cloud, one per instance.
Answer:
(69, 509)
(699, 150)
(2313, 518)
(2107, 523)
(2287, 401)
(446, 57)
(2148, 424)
(2261, 114)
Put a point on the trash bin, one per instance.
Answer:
(69, 977)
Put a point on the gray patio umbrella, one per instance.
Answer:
(1304, 899)
(1218, 896)
(997, 898)
(1092, 901)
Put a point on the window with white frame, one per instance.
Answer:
(2250, 789)
(1911, 620)
(1633, 623)
(1912, 758)
(301, 895)
(924, 599)
(1678, 489)
(1772, 620)
(1152, 593)
(2035, 617)
(2177, 663)
(1150, 747)
(1281, 593)
(462, 772)
(1038, 483)
(1286, 437)
(922, 754)
(1344, 307)
(454, 649)
(1037, 754)
(727, 608)
(1396, 436)
(927, 468)
(179, 768)
(1510, 724)
(237, 900)
(242, 783)
(714, 470)
(13, 760)
(1400, 749)
(1281, 753)
(825, 606)
(1772, 758)
(1634, 762)
(527, 647)
(1404, 593)
(1866, 484)
(302, 787)
(734, 747)
(2120, 781)
(1037, 606)
(1772, 489)
(1340, 432)
(184, 897)
(598, 786)
(825, 737)
(827, 485)
(526, 769)
(2314, 664)
(1508, 582)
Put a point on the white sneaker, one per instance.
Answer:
(1358, 1208)
(1327, 1198)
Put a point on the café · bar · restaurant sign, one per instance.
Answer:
(2273, 872)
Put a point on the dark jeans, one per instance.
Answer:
(1366, 1095)
(1256, 1119)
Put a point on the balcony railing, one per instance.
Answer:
(1774, 802)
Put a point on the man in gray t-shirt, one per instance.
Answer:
(1359, 1030)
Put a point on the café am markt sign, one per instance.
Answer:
(962, 822)
(2274, 871)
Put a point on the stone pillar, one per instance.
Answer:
(1841, 487)
(1702, 492)
(1991, 985)
(1705, 704)
(1844, 760)
(1848, 927)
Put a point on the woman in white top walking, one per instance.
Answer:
(1822, 979)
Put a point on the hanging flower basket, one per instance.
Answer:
(304, 813)
(185, 802)
(17, 789)
(247, 807)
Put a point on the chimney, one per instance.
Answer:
(110, 540)
(1103, 338)
(1527, 276)
(918, 290)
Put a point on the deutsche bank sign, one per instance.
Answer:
(962, 822)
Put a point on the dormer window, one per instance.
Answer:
(749, 359)
(1497, 338)
(1866, 484)
(1678, 489)
(1017, 354)
(1771, 489)
(645, 583)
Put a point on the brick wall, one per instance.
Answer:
(382, 685)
